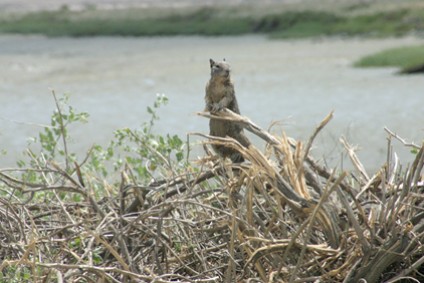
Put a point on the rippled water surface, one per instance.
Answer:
(294, 82)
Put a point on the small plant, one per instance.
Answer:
(142, 154)
(15, 274)
(51, 146)
(141, 150)
(53, 140)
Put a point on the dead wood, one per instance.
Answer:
(278, 217)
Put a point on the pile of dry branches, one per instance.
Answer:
(279, 217)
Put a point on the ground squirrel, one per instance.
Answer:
(220, 94)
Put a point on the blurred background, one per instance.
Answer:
(293, 62)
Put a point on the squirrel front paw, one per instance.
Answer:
(216, 107)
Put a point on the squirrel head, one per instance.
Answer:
(220, 69)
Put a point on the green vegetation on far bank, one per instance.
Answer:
(213, 21)
(402, 57)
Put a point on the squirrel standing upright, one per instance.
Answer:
(220, 94)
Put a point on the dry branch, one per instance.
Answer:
(279, 217)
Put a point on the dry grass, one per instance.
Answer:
(280, 217)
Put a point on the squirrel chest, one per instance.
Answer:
(221, 91)
(217, 89)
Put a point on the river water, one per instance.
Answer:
(294, 82)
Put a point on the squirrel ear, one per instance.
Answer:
(212, 62)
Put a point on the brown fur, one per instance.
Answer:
(220, 94)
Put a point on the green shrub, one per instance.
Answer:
(145, 154)
(213, 21)
(403, 57)
(378, 24)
